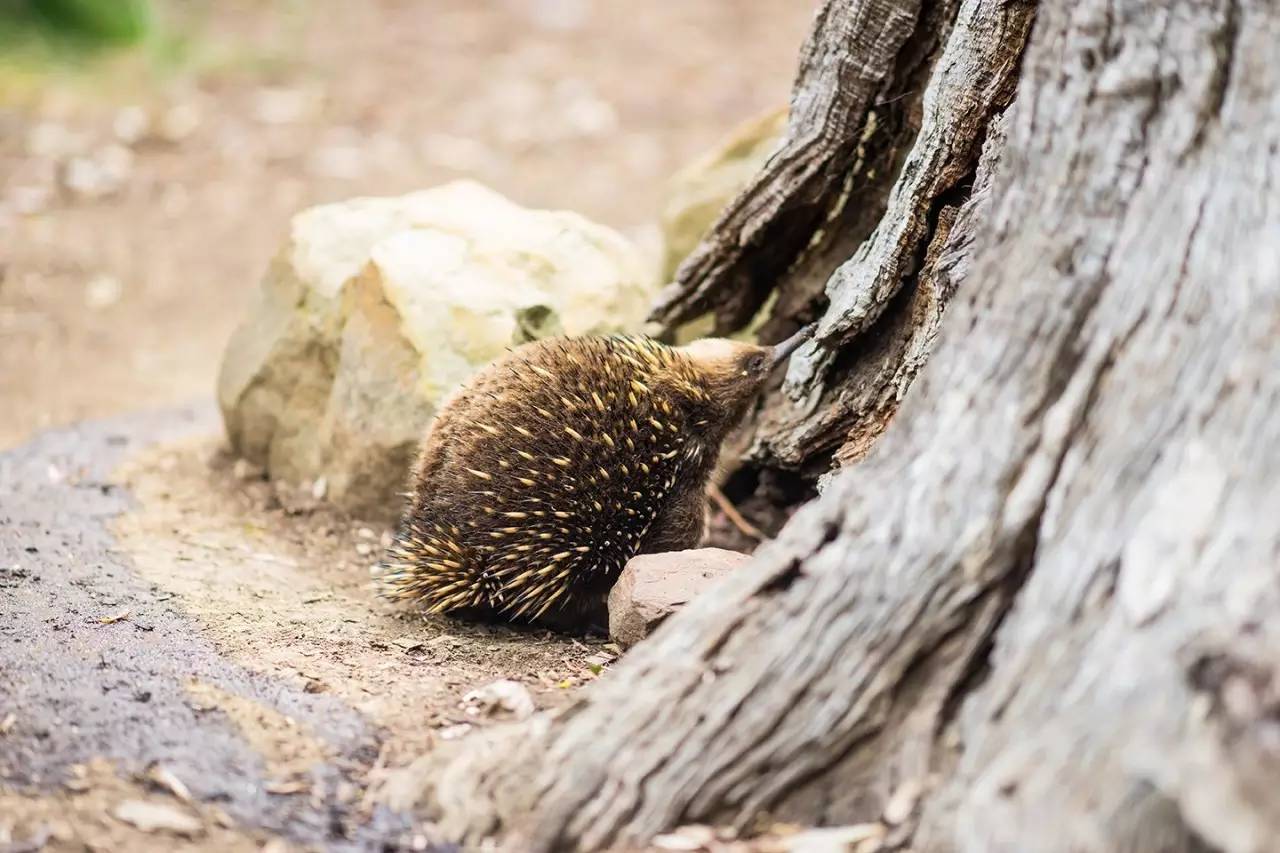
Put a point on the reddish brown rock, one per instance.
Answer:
(653, 586)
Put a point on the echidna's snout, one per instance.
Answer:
(781, 352)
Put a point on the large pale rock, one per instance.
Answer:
(378, 307)
(698, 192)
(653, 586)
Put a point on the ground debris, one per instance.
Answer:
(288, 786)
(502, 698)
(779, 838)
(164, 778)
(157, 817)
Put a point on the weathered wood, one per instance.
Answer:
(915, 151)
(886, 302)
(844, 65)
(1046, 601)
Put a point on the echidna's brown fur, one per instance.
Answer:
(556, 464)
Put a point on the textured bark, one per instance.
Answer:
(1041, 611)
(851, 222)
(847, 62)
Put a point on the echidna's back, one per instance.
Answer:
(558, 461)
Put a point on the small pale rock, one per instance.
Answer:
(686, 838)
(99, 174)
(859, 838)
(131, 124)
(242, 469)
(454, 732)
(277, 105)
(102, 291)
(178, 122)
(157, 817)
(54, 141)
(364, 549)
(653, 586)
(500, 698)
(28, 200)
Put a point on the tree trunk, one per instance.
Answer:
(1040, 614)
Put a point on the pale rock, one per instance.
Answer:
(377, 308)
(102, 173)
(102, 291)
(699, 192)
(178, 122)
(503, 698)
(52, 141)
(131, 124)
(653, 586)
(280, 105)
(858, 838)
(157, 817)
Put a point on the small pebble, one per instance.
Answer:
(102, 291)
(243, 469)
(131, 124)
(178, 122)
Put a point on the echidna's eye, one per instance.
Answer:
(755, 364)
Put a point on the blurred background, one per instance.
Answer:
(152, 151)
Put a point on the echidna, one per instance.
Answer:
(546, 472)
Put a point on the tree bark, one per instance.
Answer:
(1040, 613)
(850, 222)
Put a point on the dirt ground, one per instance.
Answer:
(281, 584)
(140, 201)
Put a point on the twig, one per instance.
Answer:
(731, 512)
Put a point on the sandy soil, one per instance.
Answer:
(194, 660)
(281, 584)
(139, 208)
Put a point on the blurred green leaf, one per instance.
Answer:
(119, 21)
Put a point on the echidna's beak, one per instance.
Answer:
(782, 351)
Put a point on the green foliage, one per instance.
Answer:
(111, 21)
(73, 25)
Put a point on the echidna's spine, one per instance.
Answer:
(428, 564)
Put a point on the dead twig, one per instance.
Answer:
(730, 511)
